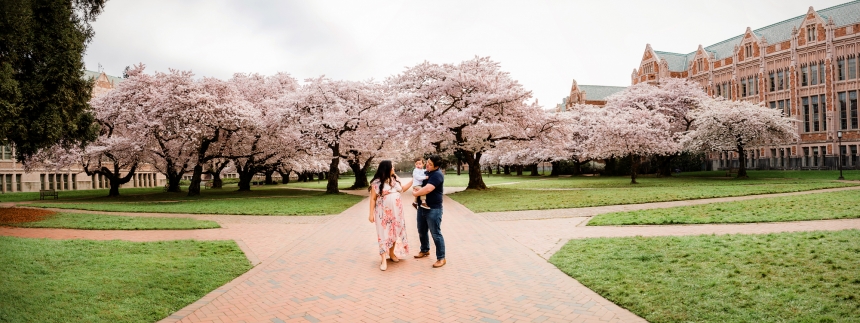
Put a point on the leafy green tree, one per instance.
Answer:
(43, 95)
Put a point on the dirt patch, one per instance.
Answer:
(12, 215)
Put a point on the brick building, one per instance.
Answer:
(587, 94)
(14, 179)
(806, 66)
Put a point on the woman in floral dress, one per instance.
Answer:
(386, 210)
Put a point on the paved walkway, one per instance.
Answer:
(332, 275)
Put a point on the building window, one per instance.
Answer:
(779, 80)
(852, 108)
(810, 33)
(823, 112)
(787, 110)
(852, 67)
(701, 66)
(813, 74)
(805, 104)
(770, 80)
(743, 88)
(813, 101)
(749, 51)
(6, 152)
(840, 68)
(843, 111)
(804, 75)
(755, 85)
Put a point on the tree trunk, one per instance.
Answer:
(459, 166)
(269, 180)
(664, 165)
(360, 172)
(634, 168)
(333, 173)
(556, 167)
(217, 183)
(322, 176)
(173, 180)
(476, 182)
(534, 169)
(194, 187)
(577, 167)
(285, 177)
(507, 169)
(498, 170)
(114, 187)
(519, 170)
(742, 162)
(245, 178)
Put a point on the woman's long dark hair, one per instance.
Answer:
(383, 174)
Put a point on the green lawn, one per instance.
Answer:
(270, 200)
(598, 191)
(343, 182)
(819, 206)
(116, 222)
(110, 281)
(853, 175)
(453, 180)
(65, 195)
(785, 277)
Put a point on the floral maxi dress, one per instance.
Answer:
(388, 214)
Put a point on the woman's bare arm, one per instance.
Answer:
(373, 198)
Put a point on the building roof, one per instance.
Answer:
(843, 14)
(95, 75)
(600, 92)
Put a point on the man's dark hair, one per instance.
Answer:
(437, 161)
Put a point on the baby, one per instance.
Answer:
(418, 177)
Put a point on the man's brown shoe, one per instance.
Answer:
(422, 255)
(439, 263)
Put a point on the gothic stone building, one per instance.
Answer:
(806, 66)
(14, 179)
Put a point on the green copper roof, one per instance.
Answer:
(843, 14)
(600, 92)
(94, 74)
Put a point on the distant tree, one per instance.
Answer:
(43, 94)
(725, 125)
(620, 132)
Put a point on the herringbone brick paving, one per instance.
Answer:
(332, 275)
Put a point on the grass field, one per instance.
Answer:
(819, 206)
(269, 200)
(115, 222)
(574, 192)
(785, 277)
(110, 281)
(852, 175)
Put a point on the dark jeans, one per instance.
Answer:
(431, 220)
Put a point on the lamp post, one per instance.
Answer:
(839, 136)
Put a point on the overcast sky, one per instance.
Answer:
(543, 44)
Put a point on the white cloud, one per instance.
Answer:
(543, 44)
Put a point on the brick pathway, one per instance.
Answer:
(332, 275)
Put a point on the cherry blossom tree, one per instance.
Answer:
(264, 143)
(330, 114)
(724, 125)
(675, 98)
(465, 109)
(616, 132)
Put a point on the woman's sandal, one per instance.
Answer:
(383, 266)
(393, 258)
